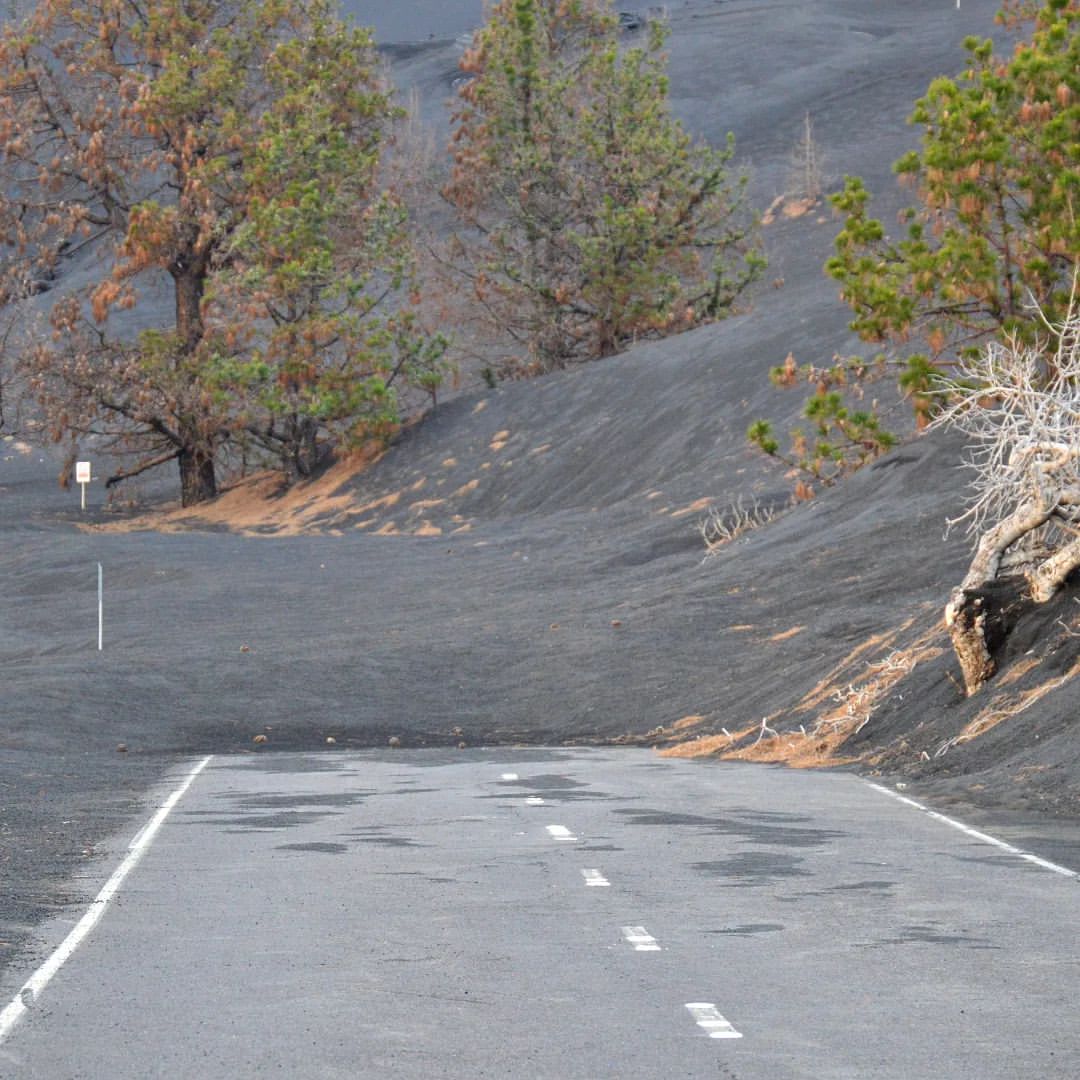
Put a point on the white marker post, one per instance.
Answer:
(100, 608)
(82, 478)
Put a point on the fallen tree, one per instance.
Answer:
(1019, 405)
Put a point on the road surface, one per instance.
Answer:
(555, 914)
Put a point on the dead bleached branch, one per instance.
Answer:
(1018, 403)
(857, 702)
(721, 526)
(1019, 406)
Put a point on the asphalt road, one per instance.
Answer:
(445, 914)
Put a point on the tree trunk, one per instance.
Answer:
(980, 620)
(197, 480)
(992, 547)
(1050, 575)
(966, 617)
(301, 449)
(189, 283)
(974, 614)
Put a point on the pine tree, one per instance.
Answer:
(220, 153)
(591, 217)
(994, 237)
(997, 229)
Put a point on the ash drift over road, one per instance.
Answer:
(550, 587)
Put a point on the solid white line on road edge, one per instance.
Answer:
(534, 800)
(640, 938)
(32, 988)
(561, 832)
(509, 776)
(1046, 864)
(706, 1016)
(594, 877)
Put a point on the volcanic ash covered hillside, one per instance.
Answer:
(525, 564)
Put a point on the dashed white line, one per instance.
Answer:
(640, 938)
(509, 776)
(560, 832)
(984, 837)
(32, 988)
(594, 877)
(707, 1016)
(534, 800)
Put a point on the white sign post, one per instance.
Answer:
(82, 478)
(100, 607)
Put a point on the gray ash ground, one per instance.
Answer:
(564, 597)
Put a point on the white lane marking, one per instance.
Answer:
(509, 776)
(534, 800)
(594, 877)
(640, 938)
(561, 832)
(32, 988)
(984, 837)
(707, 1016)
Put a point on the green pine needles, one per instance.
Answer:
(590, 218)
(993, 239)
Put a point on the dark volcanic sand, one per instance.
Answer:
(572, 488)
(416, 21)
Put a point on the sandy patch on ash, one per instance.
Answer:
(261, 504)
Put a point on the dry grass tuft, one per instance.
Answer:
(796, 750)
(692, 721)
(1017, 671)
(721, 527)
(383, 503)
(705, 745)
(796, 208)
(262, 504)
(693, 508)
(1006, 706)
(842, 672)
(856, 700)
(841, 705)
(856, 703)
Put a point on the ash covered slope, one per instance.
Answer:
(540, 575)
(525, 563)
(664, 430)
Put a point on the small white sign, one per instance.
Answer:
(82, 472)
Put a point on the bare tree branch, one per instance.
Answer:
(1019, 405)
